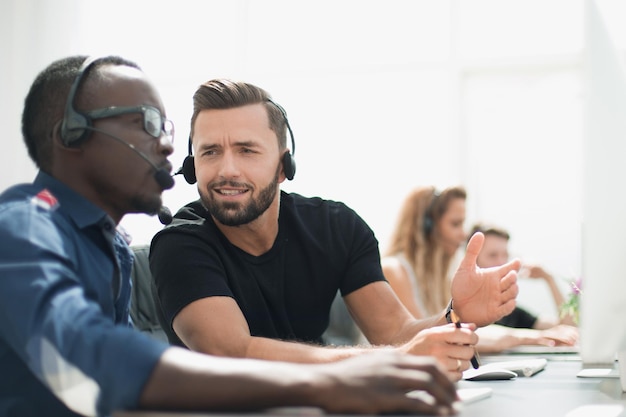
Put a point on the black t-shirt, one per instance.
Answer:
(322, 246)
(519, 318)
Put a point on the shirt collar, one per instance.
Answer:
(82, 211)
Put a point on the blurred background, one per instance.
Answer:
(382, 96)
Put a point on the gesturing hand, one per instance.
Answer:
(483, 296)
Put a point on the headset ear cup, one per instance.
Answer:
(289, 165)
(428, 225)
(73, 128)
(189, 170)
(75, 124)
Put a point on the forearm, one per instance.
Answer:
(382, 319)
(367, 385)
(279, 350)
(186, 380)
(410, 329)
(495, 338)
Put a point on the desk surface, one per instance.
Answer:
(556, 391)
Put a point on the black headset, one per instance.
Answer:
(429, 221)
(188, 169)
(75, 124)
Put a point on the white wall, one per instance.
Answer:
(382, 96)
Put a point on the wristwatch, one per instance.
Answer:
(449, 311)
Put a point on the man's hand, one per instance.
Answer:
(378, 383)
(535, 272)
(483, 296)
(496, 338)
(452, 347)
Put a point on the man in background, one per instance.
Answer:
(542, 330)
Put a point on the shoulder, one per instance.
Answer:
(192, 218)
(27, 202)
(300, 201)
(191, 213)
(323, 217)
(30, 214)
(17, 195)
(316, 206)
(192, 231)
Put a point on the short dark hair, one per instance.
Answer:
(45, 102)
(228, 94)
(489, 230)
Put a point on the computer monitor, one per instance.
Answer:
(603, 302)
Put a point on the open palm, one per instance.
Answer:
(483, 295)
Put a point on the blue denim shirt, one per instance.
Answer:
(65, 335)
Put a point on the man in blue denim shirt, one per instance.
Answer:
(97, 132)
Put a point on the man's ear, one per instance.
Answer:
(281, 175)
(55, 134)
(57, 140)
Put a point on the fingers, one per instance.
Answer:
(428, 389)
(545, 341)
(387, 382)
(508, 284)
(456, 367)
(506, 308)
(436, 395)
(472, 250)
(512, 265)
(561, 335)
(422, 403)
(438, 384)
(453, 347)
(457, 373)
(508, 293)
(434, 339)
(378, 383)
(475, 244)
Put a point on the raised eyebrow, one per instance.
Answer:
(247, 144)
(239, 144)
(208, 146)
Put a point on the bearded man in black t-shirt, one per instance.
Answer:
(250, 271)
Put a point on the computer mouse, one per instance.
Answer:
(488, 374)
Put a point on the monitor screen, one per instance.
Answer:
(603, 301)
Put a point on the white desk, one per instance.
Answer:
(556, 391)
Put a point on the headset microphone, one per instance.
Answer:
(161, 176)
(165, 215)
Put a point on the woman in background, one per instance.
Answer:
(428, 233)
(423, 245)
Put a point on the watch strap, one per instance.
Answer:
(449, 311)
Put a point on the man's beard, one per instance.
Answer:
(235, 214)
(143, 204)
